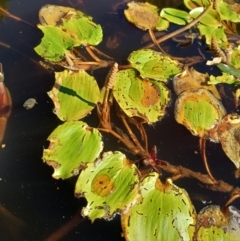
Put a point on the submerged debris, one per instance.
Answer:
(29, 104)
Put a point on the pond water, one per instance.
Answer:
(33, 205)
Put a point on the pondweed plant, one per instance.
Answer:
(150, 207)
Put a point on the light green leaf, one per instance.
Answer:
(55, 43)
(86, 31)
(234, 58)
(109, 185)
(163, 212)
(176, 16)
(154, 65)
(210, 32)
(200, 112)
(227, 13)
(140, 97)
(74, 94)
(224, 78)
(162, 24)
(211, 18)
(72, 145)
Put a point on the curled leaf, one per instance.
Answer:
(213, 224)
(229, 135)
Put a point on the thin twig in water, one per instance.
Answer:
(186, 27)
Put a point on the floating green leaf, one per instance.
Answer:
(227, 13)
(163, 212)
(176, 16)
(72, 145)
(210, 32)
(74, 94)
(154, 65)
(109, 185)
(229, 136)
(224, 78)
(55, 43)
(140, 97)
(145, 16)
(65, 28)
(234, 58)
(86, 31)
(200, 112)
(211, 18)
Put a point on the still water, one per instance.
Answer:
(32, 204)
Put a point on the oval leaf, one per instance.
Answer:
(72, 145)
(154, 65)
(176, 16)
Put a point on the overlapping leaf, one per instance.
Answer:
(65, 28)
(154, 65)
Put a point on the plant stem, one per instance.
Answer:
(202, 143)
(178, 31)
(132, 135)
(135, 150)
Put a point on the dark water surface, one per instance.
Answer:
(39, 203)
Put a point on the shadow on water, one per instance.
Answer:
(32, 204)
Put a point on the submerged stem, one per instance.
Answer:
(202, 143)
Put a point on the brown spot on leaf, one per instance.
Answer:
(102, 185)
(151, 94)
